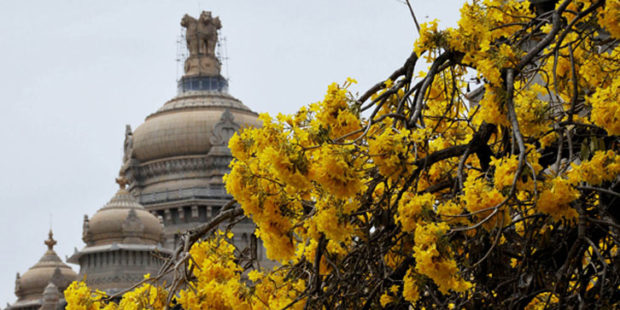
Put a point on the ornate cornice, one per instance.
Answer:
(178, 168)
(203, 100)
(213, 191)
(174, 165)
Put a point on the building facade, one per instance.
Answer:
(123, 243)
(170, 181)
(44, 282)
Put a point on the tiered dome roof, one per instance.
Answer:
(122, 220)
(49, 269)
(184, 125)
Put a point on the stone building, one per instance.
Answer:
(123, 243)
(174, 161)
(43, 282)
(170, 178)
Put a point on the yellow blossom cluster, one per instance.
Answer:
(532, 111)
(433, 258)
(410, 203)
(288, 163)
(429, 38)
(411, 292)
(411, 207)
(389, 152)
(559, 192)
(505, 171)
(480, 198)
(218, 278)
(610, 19)
(146, 296)
(603, 166)
(217, 285)
(555, 199)
(481, 27)
(606, 106)
(80, 297)
(490, 110)
(337, 170)
(335, 114)
(275, 291)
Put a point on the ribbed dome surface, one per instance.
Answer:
(50, 268)
(183, 125)
(123, 220)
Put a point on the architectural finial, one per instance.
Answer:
(50, 242)
(201, 36)
(122, 181)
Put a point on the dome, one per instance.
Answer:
(49, 269)
(184, 125)
(122, 220)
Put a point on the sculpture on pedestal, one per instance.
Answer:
(201, 37)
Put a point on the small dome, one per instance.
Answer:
(183, 126)
(49, 269)
(122, 220)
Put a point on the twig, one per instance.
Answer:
(415, 20)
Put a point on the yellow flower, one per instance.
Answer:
(385, 299)
(555, 200)
(80, 297)
(542, 301)
(480, 198)
(604, 166)
(410, 288)
(410, 208)
(505, 169)
(606, 107)
(610, 19)
(432, 263)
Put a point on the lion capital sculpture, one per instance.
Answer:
(201, 33)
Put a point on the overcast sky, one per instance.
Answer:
(74, 72)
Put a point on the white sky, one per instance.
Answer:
(74, 72)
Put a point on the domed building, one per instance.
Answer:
(176, 159)
(123, 243)
(170, 182)
(47, 278)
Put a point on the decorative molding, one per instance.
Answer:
(170, 167)
(165, 198)
(223, 130)
(57, 278)
(133, 227)
(202, 99)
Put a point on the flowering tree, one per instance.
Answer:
(422, 193)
